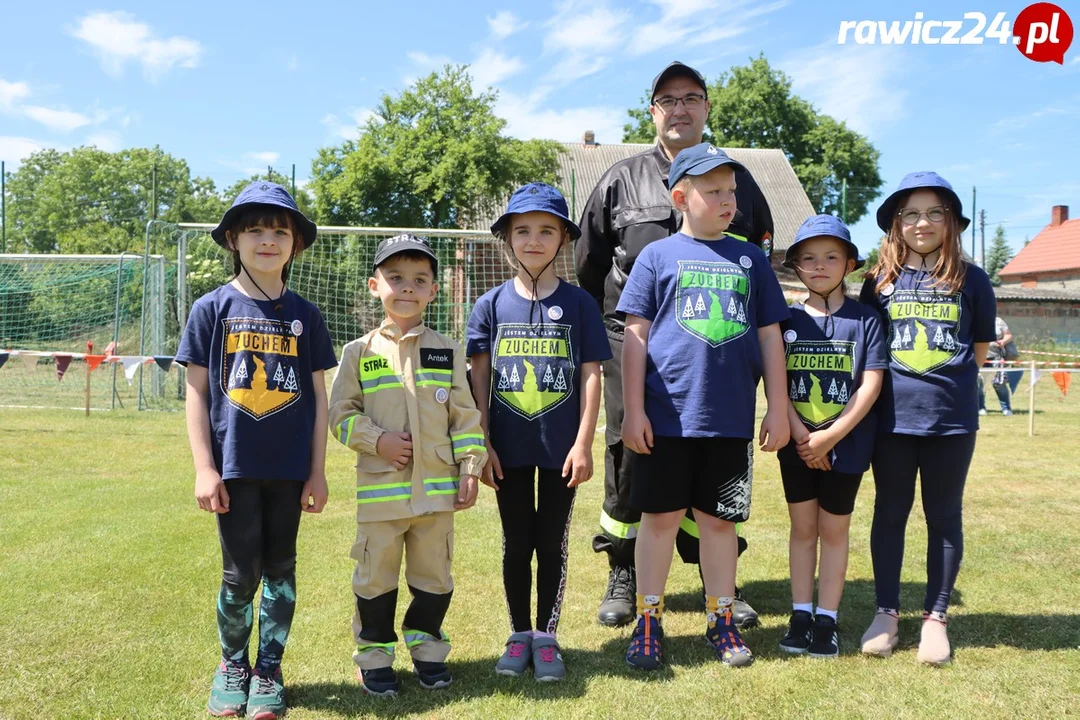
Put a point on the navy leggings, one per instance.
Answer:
(942, 464)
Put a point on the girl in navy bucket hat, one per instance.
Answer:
(939, 310)
(536, 343)
(255, 354)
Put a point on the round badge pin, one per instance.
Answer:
(791, 336)
(297, 328)
(555, 312)
(441, 395)
(746, 262)
(888, 289)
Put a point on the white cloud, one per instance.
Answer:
(12, 92)
(491, 68)
(118, 39)
(349, 129)
(59, 120)
(859, 84)
(526, 119)
(108, 141)
(13, 150)
(267, 157)
(505, 24)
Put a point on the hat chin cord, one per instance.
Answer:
(534, 299)
(277, 300)
(829, 328)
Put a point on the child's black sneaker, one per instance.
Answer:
(800, 628)
(826, 638)
(432, 675)
(644, 651)
(381, 682)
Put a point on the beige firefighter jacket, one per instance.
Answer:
(413, 382)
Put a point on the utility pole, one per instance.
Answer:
(269, 174)
(973, 209)
(843, 200)
(153, 194)
(982, 233)
(294, 180)
(3, 207)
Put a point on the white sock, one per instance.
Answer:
(807, 608)
(826, 613)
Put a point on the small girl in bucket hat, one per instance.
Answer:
(536, 343)
(255, 354)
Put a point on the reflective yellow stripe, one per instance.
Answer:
(688, 526)
(626, 531)
(737, 237)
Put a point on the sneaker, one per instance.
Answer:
(934, 648)
(826, 638)
(882, 637)
(432, 675)
(728, 644)
(547, 660)
(1006, 412)
(800, 628)
(229, 691)
(380, 682)
(619, 605)
(744, 616)
(266, 698)
(515, 660)
(982, 411)
(644, 652)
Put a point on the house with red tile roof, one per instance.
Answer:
(1051, 261)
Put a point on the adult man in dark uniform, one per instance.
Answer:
(630, 208)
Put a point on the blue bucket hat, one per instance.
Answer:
(262, 192)
(537, 197)
(823, 226)
(698, 160)
(913, 181)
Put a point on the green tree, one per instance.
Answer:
(855, 279)
(753, 106)
(998, 256)
(431, 157)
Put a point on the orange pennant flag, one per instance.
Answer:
(1062, 379)
(94, 360)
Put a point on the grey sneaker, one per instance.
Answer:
(547, 660)
(515, 661)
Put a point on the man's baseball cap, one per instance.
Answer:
(537, 197)
(404, 243)
(698, 160)
(262, 192)
(823, 226)
(674, 69)
(914, 181)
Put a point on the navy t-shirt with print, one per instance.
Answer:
(706, 300)
(824, 372)
(260, 361)
(535, 406)
(931, 387)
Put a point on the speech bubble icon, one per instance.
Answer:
(1043, 32)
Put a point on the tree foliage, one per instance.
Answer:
(753, 107)
(427, 158)
(998, 256)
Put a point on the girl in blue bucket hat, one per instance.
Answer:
(939, 309)
(255, 354)
(536, 343)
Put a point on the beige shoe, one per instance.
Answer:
(882, 637)
(934, 648)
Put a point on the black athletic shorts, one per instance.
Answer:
(834, 491)
(712, 474)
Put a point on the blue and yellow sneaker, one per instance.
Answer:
(726, 641)
(644, 652)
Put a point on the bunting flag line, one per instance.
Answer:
(3, 358)
(62, 362)
(164, 362)
(1062, 379)
(131, 366)
(1035, 375)
(94, 361)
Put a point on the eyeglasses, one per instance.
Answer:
(690, 102)
(911, 216)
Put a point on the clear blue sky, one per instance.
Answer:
(232, 87)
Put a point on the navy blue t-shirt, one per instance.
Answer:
(931, 387)
(262, 398)
(823, 373)
(706, 300)
(535, 406)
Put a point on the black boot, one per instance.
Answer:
(619, 606)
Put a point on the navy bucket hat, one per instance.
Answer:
(914, 181)
(537, 197)
(698, 160)
(262, 192)
(823, 226)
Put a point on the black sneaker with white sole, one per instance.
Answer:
(825, 642)
(432, 675)
(799, 634)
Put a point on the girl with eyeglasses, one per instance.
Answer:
(939, 309)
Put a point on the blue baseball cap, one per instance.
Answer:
(823, 226)
(537, 197)
(404, 243)
(698, 160)
(913, 181)
(263, 192)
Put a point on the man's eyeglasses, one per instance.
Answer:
(911, 216)
(690, 102)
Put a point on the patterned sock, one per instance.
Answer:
(652, 604)
(807, 608)
(718, 610)
(275, 619)
(826, 613)
(234, 619)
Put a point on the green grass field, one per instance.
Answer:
(109, 578)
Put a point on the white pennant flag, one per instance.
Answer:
(29, 360)
(131, 366)
(1035, 375)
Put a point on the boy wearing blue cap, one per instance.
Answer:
(940, 312)
(536, 343)
(702, 327)
(255, 354)
(835, 363)
(402, 403)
